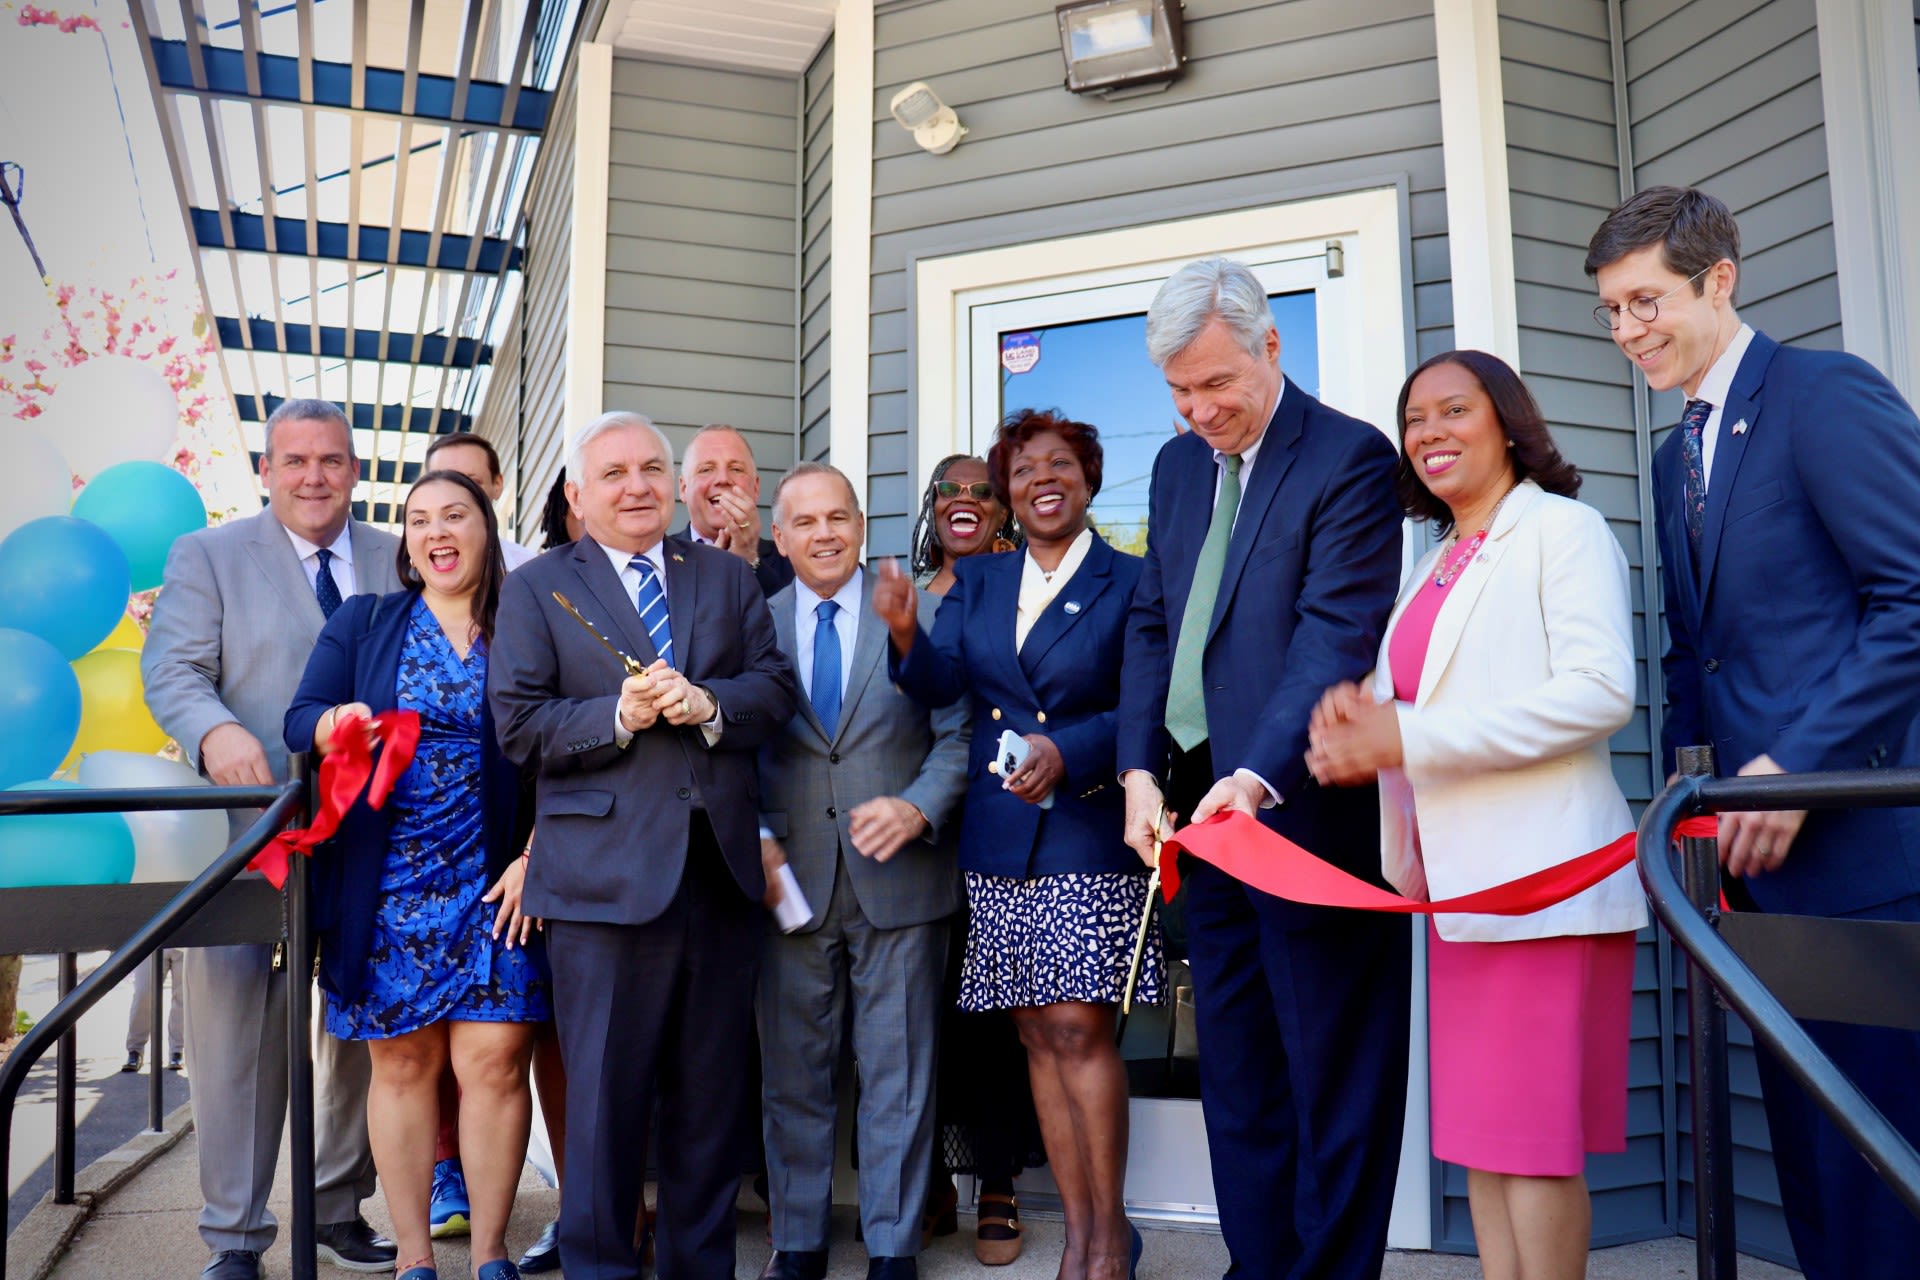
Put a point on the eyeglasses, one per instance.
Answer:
(979, 490)
(1645, 310)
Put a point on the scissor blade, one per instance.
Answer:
(629, 664)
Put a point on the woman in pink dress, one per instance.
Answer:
(1507, 664)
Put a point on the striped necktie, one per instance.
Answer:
(1186, 695)
(651, 600)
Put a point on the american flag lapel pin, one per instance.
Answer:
(680, 559)
(1740, 427)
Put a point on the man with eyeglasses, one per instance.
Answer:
(1785, 500)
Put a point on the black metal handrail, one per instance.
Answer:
(1689, 913)
(281, 805)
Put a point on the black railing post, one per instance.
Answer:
(156, 1100)
(1712, 1105)
(65, 1065)
(300, 1042)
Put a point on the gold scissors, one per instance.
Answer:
(1146, 913)
(631, 664)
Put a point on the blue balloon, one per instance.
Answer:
(39, 707)
(63, 848)
(144, 506)
(64, 580)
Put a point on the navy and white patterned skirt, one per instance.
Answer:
(1056, 938)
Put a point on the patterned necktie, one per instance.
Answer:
(325, 589)
(825, 690)
(1186, 696)
(651, 600)
(1693, 425)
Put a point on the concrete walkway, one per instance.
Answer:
(144, 1229)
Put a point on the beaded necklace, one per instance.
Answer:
(1452, 561)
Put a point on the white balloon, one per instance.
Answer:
(108, 410)
(170, 844)
(35, 481)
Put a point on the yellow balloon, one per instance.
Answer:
(126, 634)
(113, 709)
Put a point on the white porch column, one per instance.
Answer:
(1473, 131)
(852, 241)
(586, 378)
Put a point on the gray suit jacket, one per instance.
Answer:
(233, 627)
(885, 745)
(613, 822)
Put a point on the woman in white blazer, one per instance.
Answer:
(1508, 662)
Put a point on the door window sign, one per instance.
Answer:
(1019, 352)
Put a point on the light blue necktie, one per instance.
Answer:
(651, 600)
(826, 668)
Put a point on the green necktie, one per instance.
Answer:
(1186, 694)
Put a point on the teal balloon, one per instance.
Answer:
(64, 580)
(39, 707)
(63, 848)
(143, 506)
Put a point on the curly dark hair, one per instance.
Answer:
(1535, 456)
(928, 555)
(486, 593)
(1023, 425)
(553, 516)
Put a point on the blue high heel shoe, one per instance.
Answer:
(1134, 1251)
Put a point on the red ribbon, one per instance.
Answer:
(344, 772)
(1258, 856)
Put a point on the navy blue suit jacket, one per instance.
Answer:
(357, 659)
(1311, 574)
(1064, 683)
(1797, 635)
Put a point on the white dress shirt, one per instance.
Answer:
(806, 624)
(1714, 389)
(342, 548)
(1038, 587)
(622, 562)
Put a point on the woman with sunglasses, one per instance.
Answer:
(984, 1112)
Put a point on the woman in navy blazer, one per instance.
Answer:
(412, 956)
(1034, 639)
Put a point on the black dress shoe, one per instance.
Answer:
(131, 1065)
(232, 1264)
(353, 1246)
(545, 1253)
(796, 1264)
(893, 1269)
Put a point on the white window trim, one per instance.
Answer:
(1473, 134)
(1871, 100)
(586, 369)
(947, 288)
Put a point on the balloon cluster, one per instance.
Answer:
(70, 687)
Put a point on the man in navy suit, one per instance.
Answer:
(647, 865)
(1273, 554)
(1786, 499)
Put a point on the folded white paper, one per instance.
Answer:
(792, 911)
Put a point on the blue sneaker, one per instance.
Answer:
(449, 1213)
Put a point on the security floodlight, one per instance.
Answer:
(931, 122)
(1120, 45)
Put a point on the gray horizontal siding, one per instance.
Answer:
(1278, 98)
(1725, 95)
(701, 253)
(548, 283)
(816, 255)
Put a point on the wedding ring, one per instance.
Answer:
(740, 524)
(685, 706)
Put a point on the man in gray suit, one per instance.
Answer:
(646, 869)
(240, 608)
(853, 796)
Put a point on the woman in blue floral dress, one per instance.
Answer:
(414, 958)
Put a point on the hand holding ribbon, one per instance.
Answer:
(346, 770)
(1258, 856)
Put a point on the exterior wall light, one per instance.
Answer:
(931, 122)
(1117, 48)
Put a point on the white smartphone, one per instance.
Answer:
(1011, 753)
